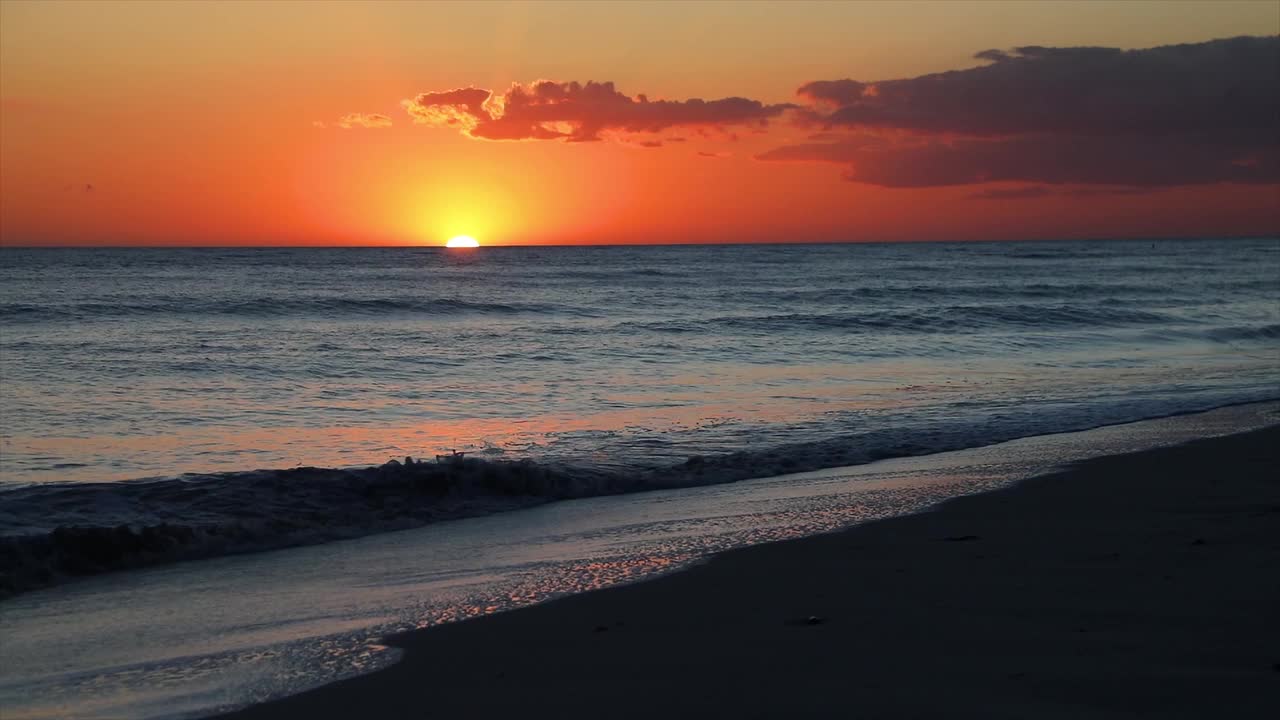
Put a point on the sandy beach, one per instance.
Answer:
(1139, 585)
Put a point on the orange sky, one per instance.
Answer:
(198, 123)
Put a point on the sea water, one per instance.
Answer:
(618, 368)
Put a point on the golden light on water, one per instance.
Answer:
(462, 241)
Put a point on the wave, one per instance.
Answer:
(269, 307)
(934, 319)
(58, 531)
(610, 274)
(1245, 332)
(1227, 334)
(1096, 292)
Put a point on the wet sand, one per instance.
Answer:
(1140, 585)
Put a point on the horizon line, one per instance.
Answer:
(728, 244)
(1110, 238)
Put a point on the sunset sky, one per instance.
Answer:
(397, 123)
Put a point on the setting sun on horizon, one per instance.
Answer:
(634, 123)
(462, 241)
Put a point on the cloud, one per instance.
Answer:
(576, 112)
(1108, 191)
(1173, 115)
(463, 108)
(1021, 193)
(1155, 161)
(363, 120)
(1217, 85)
(1038, 191)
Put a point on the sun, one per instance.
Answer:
(462, 241)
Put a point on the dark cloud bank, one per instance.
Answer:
(1174, 115)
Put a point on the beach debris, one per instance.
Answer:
(960, 538)
(814, 620)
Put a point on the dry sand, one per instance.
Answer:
(1143, 585)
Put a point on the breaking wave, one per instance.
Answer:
(53, 532)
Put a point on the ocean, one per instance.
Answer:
(169, 404)
(608, 369)
(128, 363)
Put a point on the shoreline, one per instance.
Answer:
(258, 509)
(1127, 584)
